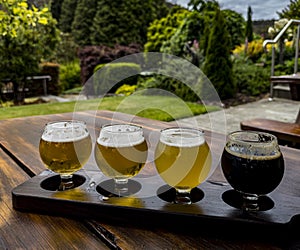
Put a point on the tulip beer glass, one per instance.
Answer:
(183, 160)
(121, 152)
(65, 146)
(253, 165)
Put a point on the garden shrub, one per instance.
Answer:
(126, 90)
(106, 80)
(250, 78)
(254, 51)
(69, 76)
(165, 83)
(66, 51)
(91, 56)
(161, 31)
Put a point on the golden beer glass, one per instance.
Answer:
(183, 160)
(120, 153)
(65, 146)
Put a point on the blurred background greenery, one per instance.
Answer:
(71, 39)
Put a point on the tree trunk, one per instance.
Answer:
(19, 96)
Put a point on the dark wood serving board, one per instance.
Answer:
(150, 205)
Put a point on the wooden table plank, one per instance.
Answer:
(31, 231)
(23, 146)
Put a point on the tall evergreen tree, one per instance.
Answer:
(67, 14)
(249, 26)
(218, 65)
(125, 22)
(55, 6)
(83, 21)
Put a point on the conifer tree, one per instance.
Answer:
(249, 26)
(125, 22)
(218, 65)
(67, 15)
(56, 8)
(83, 21)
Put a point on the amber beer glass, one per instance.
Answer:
(253, 165)
(65, 146)
(183, 160)
(120, 153)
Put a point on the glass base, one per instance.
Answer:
(168, 194)
(235, 199)
(107, 189)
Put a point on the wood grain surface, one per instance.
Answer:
(19, 141)
(31, 231)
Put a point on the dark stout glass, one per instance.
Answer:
(252, 164)
(257, 174)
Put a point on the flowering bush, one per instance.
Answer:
(126, 90)
(254, 50)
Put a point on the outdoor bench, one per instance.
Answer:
(287, 133)
(293, 81)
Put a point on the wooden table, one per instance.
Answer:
(20, 162)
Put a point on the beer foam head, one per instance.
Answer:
(182, 137)
(253, 145)
(120, 135)
(65, 131)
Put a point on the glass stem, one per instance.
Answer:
(121, 187)
(250, 202)
(66, 182)
(183, 196)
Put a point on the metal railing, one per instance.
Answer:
(277, 38)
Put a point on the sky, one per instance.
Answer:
(261, 9)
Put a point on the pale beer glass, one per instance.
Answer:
(120, 153)
(65, 146)
(183, 160)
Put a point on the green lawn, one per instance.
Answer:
(161, 108)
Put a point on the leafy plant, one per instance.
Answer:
(251, 79)
(91, 56)
(69, 76)
(161, 30)
(27, 35)
(254, 50)
(126, 90)
(107, 79)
